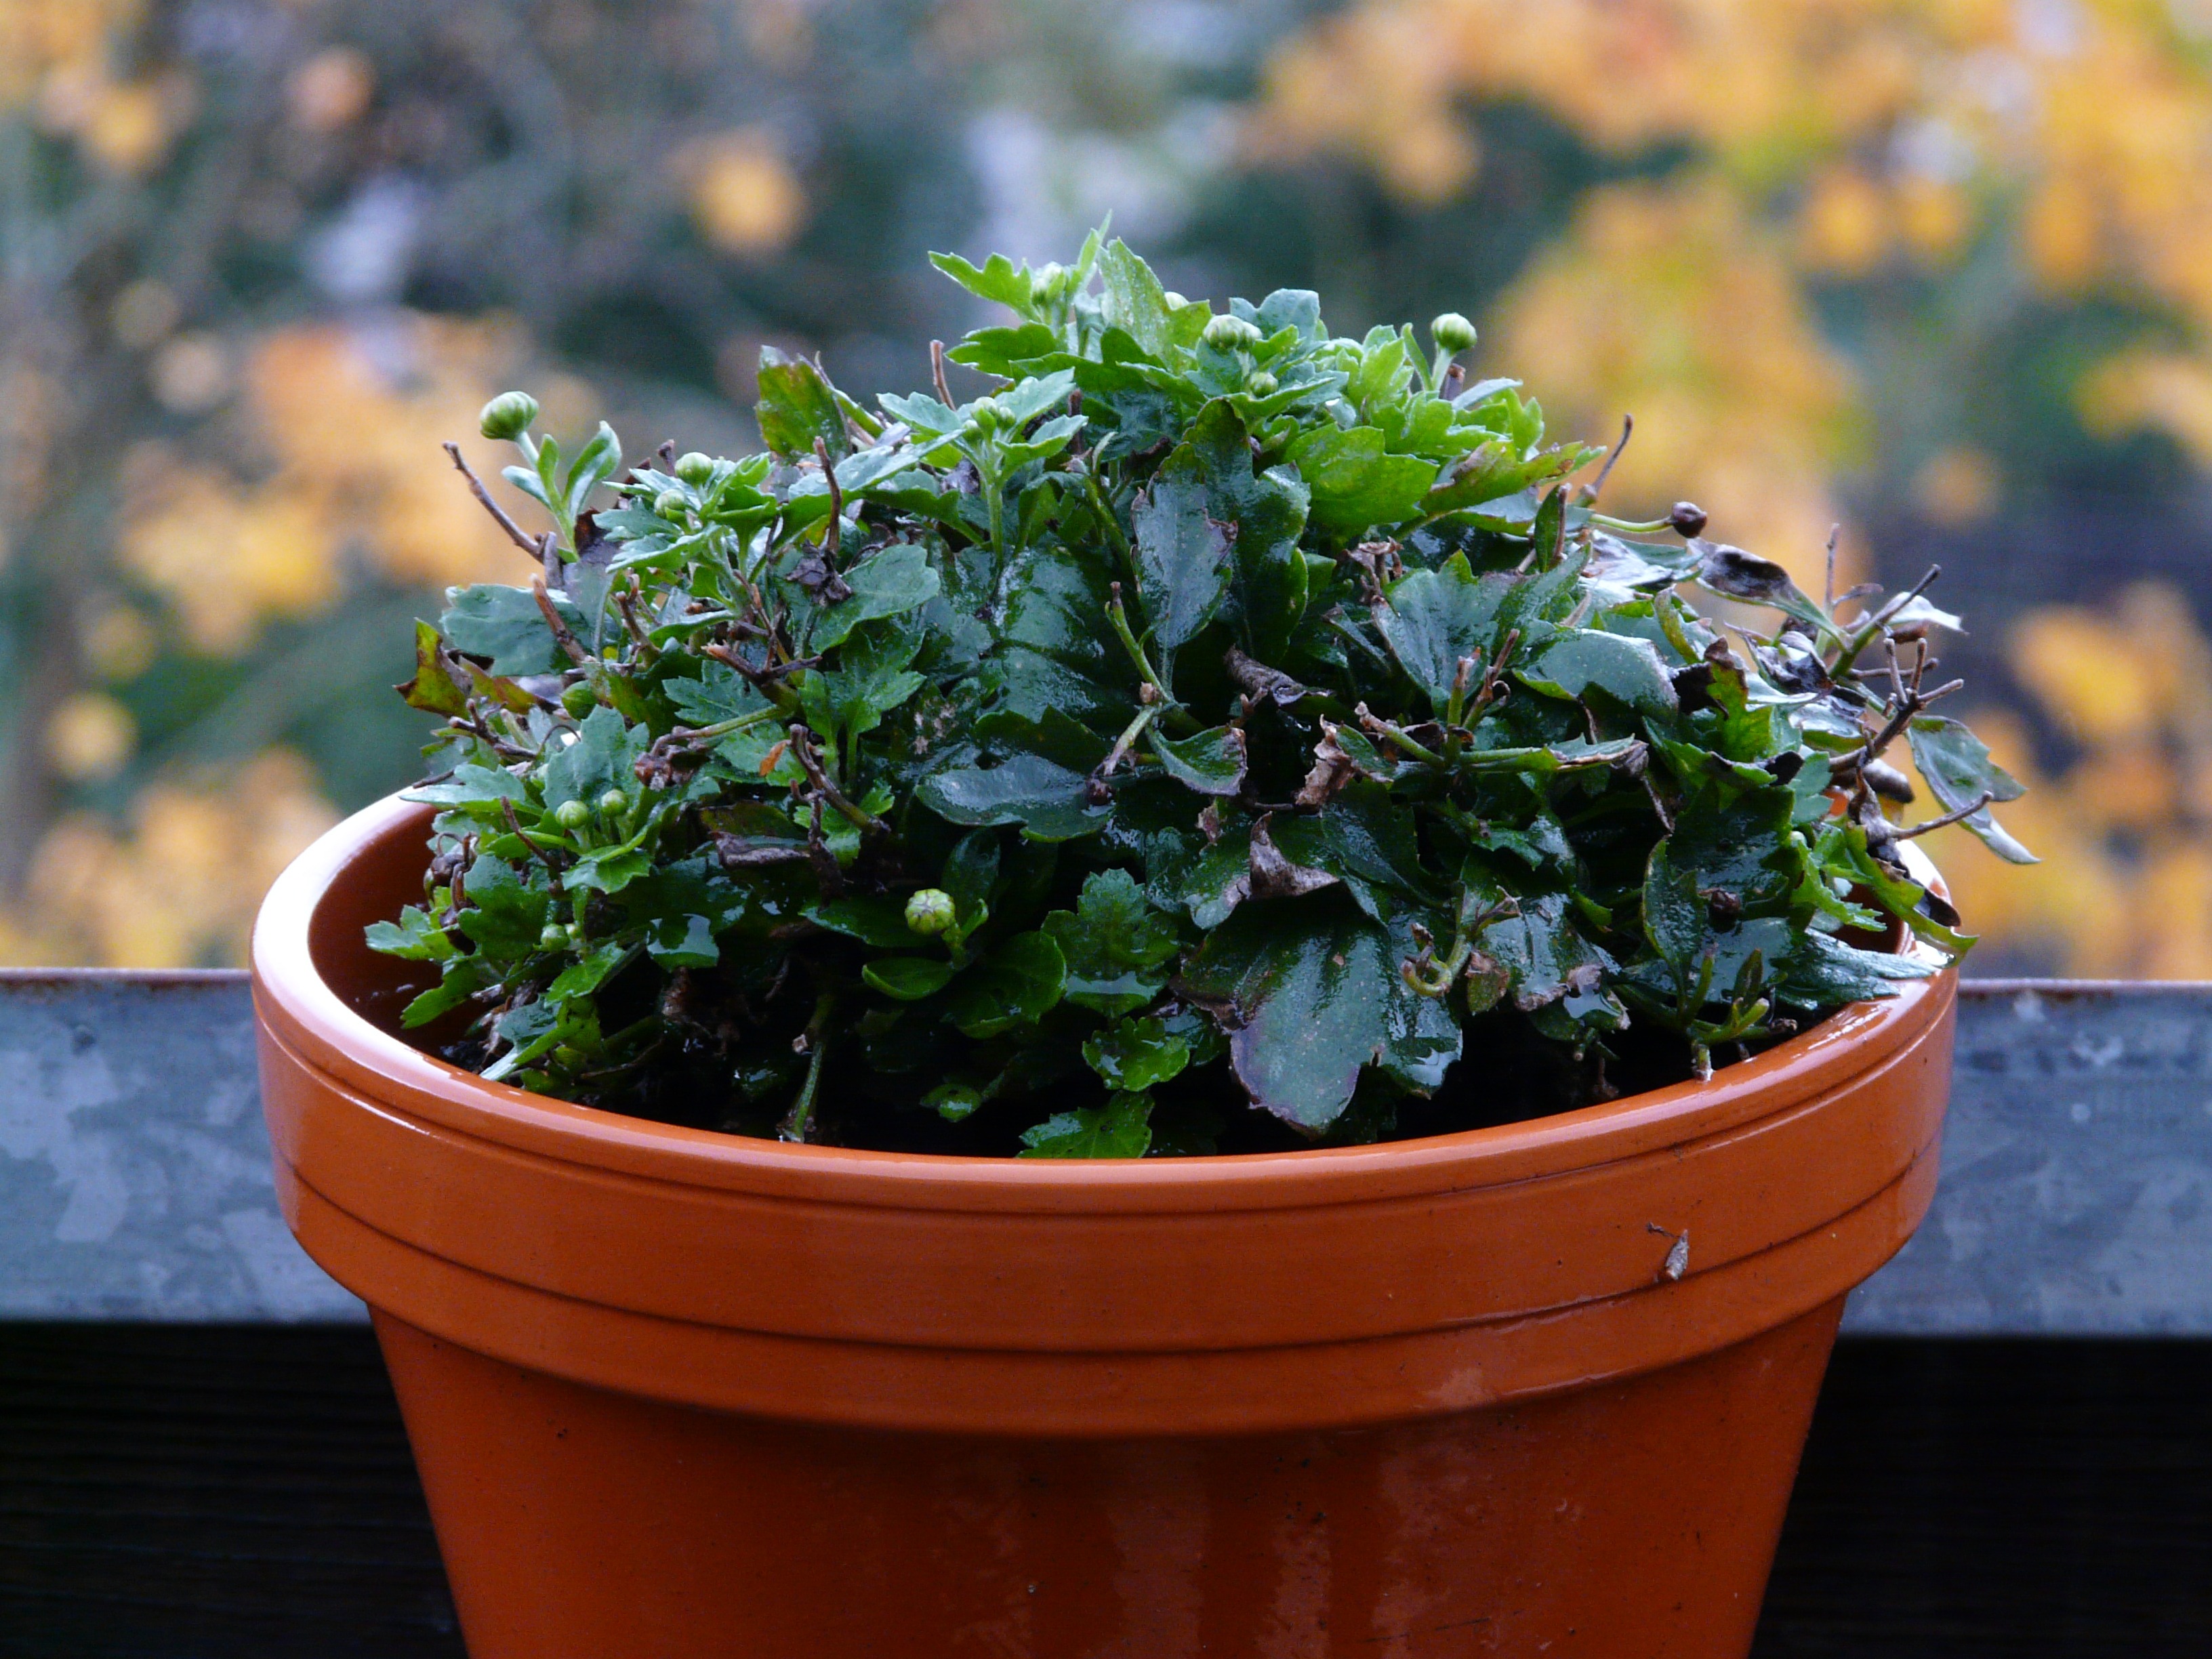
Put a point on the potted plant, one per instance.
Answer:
(1185, 1008)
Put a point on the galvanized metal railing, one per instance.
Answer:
(2076, 1196)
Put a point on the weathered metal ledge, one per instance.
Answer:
(2077, 1166)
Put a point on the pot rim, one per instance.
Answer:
(300, 1010)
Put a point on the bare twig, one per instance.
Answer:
(1909, 831)
(562, 634)
(833, 534)
(626, 600)
(1628, 430)
(552, 870)
(802, 746)
(936, 373)
(514, 530)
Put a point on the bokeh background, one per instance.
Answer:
(1938, 271)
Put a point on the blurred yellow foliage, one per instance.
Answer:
(2126, 832)
(180, 888)
(744, 197)
(1844, 134)
(1661, 298)
(349, 423)
(40, 37)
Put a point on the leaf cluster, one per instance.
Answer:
(1215, 697)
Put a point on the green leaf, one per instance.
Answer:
(471, 785)
(797, 406)
(1136, 1054)
(505, 624)
(1117, 1129)
(465, 977)
(1059, 654)
(1019, 983)
(1626, 669)
(998, 280)
(907, 979)
(870, 679)
(1210, 761)
(1822, 971)
(580, 979)
(877, 922)
(505, 915)
(1676, 917)
(607, 869)
(1957, 766)
(718, 694)
(602, 756)
(954, 1102)
(1303, 987)
(683, 941)
(1182, 550)
(1268, 577)
(1134, 301)
(1367, 842)
(1115, 944)
(1433, 619)
(414, 937)
(597, 462)
(971, 873)
(890, 583)
(1357, 484)
(1050, 802)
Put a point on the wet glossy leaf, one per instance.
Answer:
(1117, 1129)
(1302, 988)
(1212, 762)
(797, 407)
(1018, 986)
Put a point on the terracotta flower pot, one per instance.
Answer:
(1535, 1389)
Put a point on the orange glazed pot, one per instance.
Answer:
(681, 1395)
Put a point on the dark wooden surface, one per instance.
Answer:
(244, 1492)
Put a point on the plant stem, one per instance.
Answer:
(799, 1123)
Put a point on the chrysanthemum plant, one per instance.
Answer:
(1220, 736)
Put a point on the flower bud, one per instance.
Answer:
(1044, 285)
(989, 414)
(580, 700)
(508, 415)
(694, 469)
(1260, 384)
(929, 911)
(572, 815)
(671, 504)
(1687, 517)
(1452, 332)
(555, 937)
(1228, 332)
(614, 801)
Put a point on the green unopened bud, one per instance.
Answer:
(694, 469)
(1044, 285)
(555, 937)
(614, 801)
(987, 413)
(1229, 333)
(1260, 383)
(929, 911)
(508, 415)
(1452, 332)
(671, 504)
(580, 700)
(572, 815)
